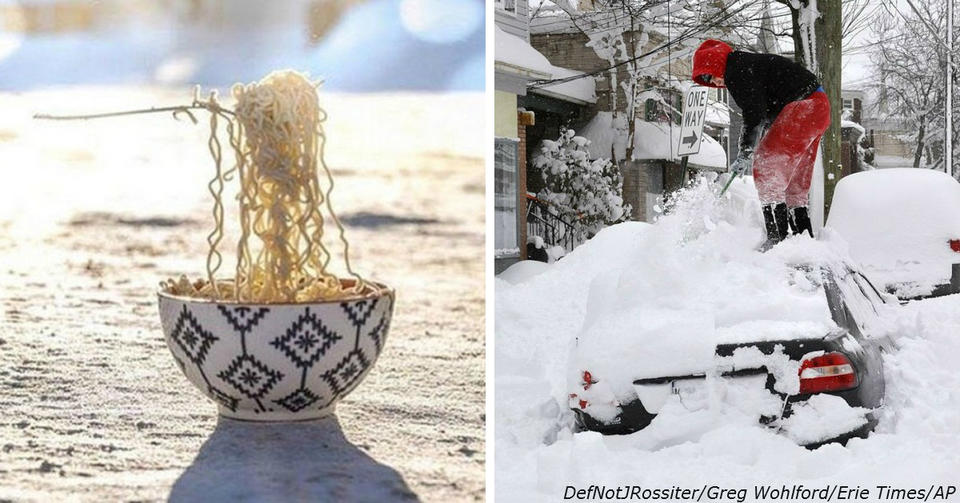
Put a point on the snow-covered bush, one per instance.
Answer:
(587, 193)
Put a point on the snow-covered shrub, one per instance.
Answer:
(587, 193)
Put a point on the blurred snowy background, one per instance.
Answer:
(356, 45)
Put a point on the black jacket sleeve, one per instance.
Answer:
(752, 127)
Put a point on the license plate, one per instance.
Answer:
(692, 392)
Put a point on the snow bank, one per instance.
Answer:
(697, 265)
(822, 417)
(536, 322)
(898, 223)
(917, 429)
(522, 271)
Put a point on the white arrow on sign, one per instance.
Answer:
(694, 115)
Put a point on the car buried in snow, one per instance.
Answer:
(894, 223)
(814, 386)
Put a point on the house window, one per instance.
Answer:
(505, 185)
(847, 103)
(677, 112)
(650, 110)
(507, 5)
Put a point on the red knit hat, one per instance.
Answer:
(710, 59)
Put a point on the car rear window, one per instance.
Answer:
(868, 289)
(859, 303)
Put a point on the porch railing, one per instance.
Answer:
(554, 230)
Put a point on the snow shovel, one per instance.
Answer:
(727, 185)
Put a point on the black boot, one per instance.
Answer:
(800, 221)
(775, 218)
(781, 214)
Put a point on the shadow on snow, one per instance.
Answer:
(306, 461)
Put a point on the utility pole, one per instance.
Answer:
(948, 132)
(828, 50)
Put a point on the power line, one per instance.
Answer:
(537, 84)
(603, 21)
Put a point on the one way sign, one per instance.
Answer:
(694, 114)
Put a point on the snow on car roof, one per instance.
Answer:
(898, 223)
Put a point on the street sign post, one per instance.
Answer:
(691, 126)
(694, 116)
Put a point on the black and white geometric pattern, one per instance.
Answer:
(223, 398)
(298, 400)
(250, 376)
(306, 341)
(191, 337)
(379, 332)
(243, 318)
(347, 371)
(359, 311)
(283, 361)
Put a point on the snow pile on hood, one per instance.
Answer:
(899, 223)
(696, 280)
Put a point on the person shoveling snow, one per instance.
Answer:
(788, 101)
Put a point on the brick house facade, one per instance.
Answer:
(524, 119)
(569, 50)
(641, 178)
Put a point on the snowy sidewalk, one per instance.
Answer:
(94, 214)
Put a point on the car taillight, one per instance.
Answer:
(581, 402)
(955, 245)
(828, 372)
(587, 379)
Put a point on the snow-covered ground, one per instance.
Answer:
(540, 311)
(93, 214)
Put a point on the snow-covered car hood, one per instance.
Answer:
(665, 314)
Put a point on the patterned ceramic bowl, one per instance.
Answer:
(276, 362)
